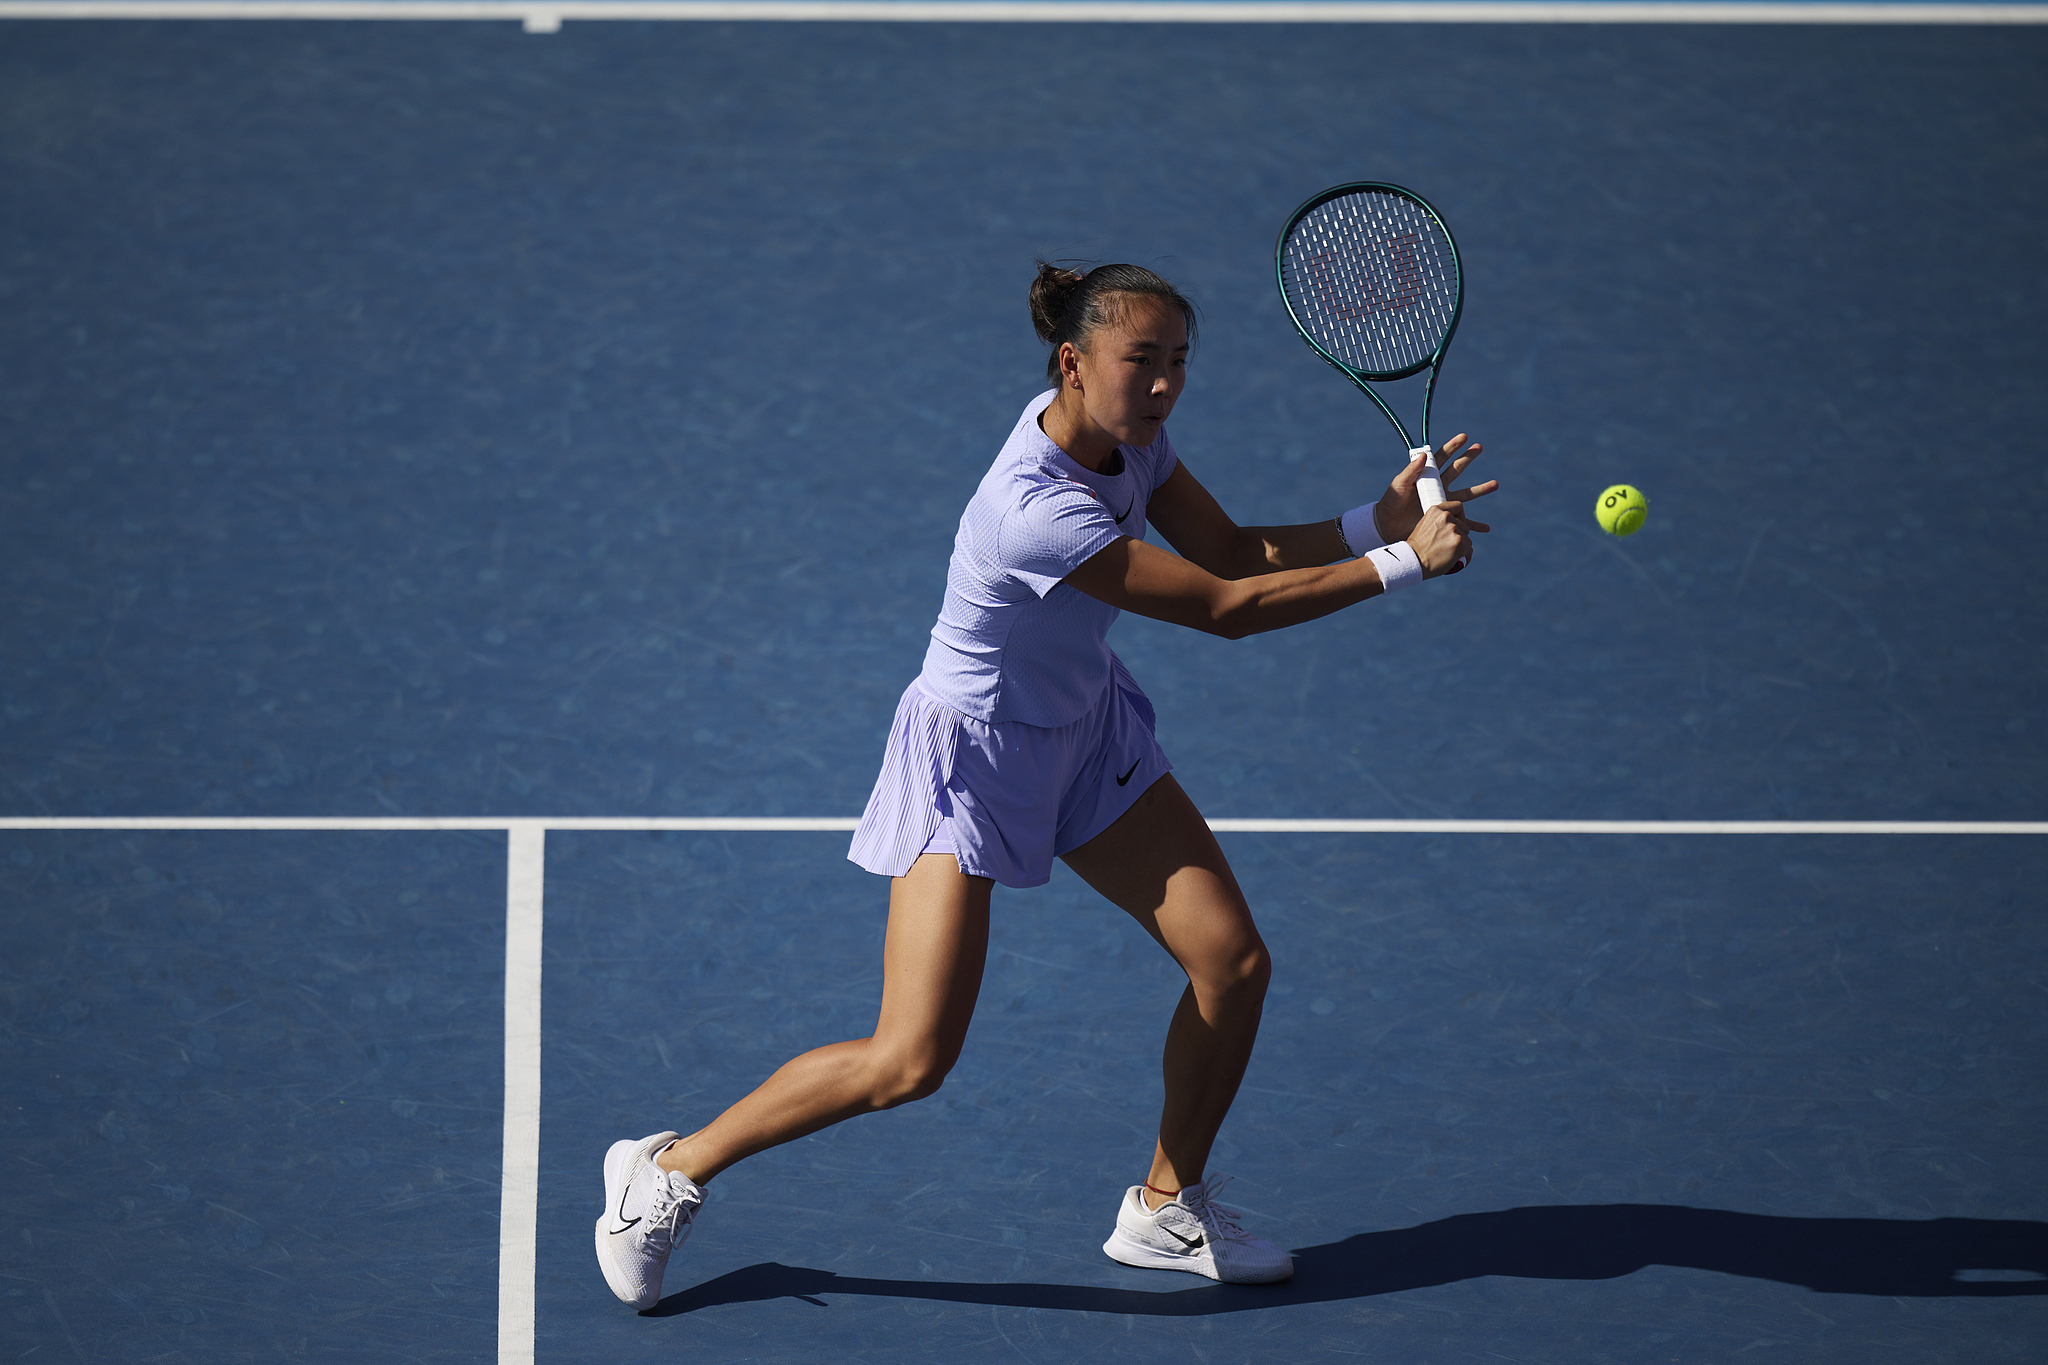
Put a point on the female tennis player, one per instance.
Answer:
(1024, 739)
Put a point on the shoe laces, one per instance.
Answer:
(668, 1214)
(1205, 1208)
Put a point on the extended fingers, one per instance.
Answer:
(1454, 512)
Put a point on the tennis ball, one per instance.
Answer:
(1621, 510)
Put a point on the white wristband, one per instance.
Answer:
(1360, 530)
(1398, 565)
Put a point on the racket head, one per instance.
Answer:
(1371, 278)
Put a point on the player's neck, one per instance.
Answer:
(1067, 425)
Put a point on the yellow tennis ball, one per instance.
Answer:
(1622, 510)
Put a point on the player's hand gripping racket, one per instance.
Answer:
(1370, 276)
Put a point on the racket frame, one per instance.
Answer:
(1433, 362)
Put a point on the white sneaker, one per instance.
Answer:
(1188, 1232)
(647, 1214)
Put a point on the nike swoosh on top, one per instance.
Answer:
(1121, 781)
(1127, 511)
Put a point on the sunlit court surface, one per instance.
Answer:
(471, 493)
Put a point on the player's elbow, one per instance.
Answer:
(1231, 618)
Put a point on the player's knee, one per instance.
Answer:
(901, 1078)
(1239, 972)
(1254, 970)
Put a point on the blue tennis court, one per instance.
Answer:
(474, 498)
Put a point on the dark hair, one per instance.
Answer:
(1067, 305)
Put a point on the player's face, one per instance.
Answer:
(1135, 369)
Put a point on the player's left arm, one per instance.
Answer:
(1196, 525)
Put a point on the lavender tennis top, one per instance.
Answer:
(1014, 643)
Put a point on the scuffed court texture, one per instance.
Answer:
(440, 420)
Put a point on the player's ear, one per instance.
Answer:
(1070, 365)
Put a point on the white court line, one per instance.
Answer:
(519, 1203)
(786, 823)
(526, 875)
(790, 824)
(539, 16)
(1629, 826)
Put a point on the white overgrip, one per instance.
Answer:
(1429, 488)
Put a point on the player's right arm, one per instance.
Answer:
(1137, 577)
(1195, 524)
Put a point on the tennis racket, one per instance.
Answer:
(1370, 275)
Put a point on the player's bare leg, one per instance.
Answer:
(932, 960)
(1162, 866)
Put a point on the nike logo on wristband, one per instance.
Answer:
(1121, 781)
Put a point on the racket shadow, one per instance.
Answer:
(1938, 1258)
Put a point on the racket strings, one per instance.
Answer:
(1373, 279)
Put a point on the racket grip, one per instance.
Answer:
(1429, 488)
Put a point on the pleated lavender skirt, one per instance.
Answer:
(1008, 798)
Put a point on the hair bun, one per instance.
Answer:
(1069, 308)
(1050, 293)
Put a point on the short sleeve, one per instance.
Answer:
(1057, 526)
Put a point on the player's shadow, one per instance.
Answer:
(1940, 1258)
